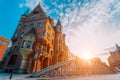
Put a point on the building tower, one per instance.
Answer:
(34, 42)
(61, 50)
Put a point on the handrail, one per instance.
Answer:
(43, 71)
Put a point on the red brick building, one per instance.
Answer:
(36, 43)
(3, 46)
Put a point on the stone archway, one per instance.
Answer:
(12, 60)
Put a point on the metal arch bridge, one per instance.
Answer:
(65, 69)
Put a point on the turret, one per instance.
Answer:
(58, 26)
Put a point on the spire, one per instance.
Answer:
(39, 10)
(58, 26)
(59, 23)
(39, 2)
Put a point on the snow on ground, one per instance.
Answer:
(5, 76)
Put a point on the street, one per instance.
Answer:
(4, 76)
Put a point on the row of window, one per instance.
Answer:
(25, 44)
(45, 48)
(33, 18)
(39, 24)
(2, 42)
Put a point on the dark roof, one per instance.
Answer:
(58, 22)
(40, 10)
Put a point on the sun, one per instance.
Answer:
(86, 55)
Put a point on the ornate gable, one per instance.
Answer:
(38, 11)
(58, 26)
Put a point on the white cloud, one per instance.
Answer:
(89, 25)
(21, 5)
(29, 3)
(89, 28)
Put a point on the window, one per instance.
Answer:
(59, 48)
(53, 35)
(35, 12)
(29, 44)
(16, 34)
(22, 34)
(19, 26)
(48, 36)
(59, 39)
(15, 48)
(43, 32)
(52, 53)
(58, 29)
(23, 19)
(5, 43)
(18, 46)
(39, 24)
(32, 25)
(49, 27)
(23, 44)
(34, 18)
(25, 27)
(52, 41)
(1, 41)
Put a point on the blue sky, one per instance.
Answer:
(90, 26)
(9, 17)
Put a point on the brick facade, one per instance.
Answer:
(36, 43)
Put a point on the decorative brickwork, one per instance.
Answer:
(36, 43)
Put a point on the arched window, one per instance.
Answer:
(34, 18)
(58, 28)
(29, 44)
(59, 39)
(48, 36)
(35, 12)
(49, 27)
(22, 34)
(25, 27)
(52, 53)
(19, 26)
(16, 35)
(32, 25)
(39, 24)
(23, 44)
